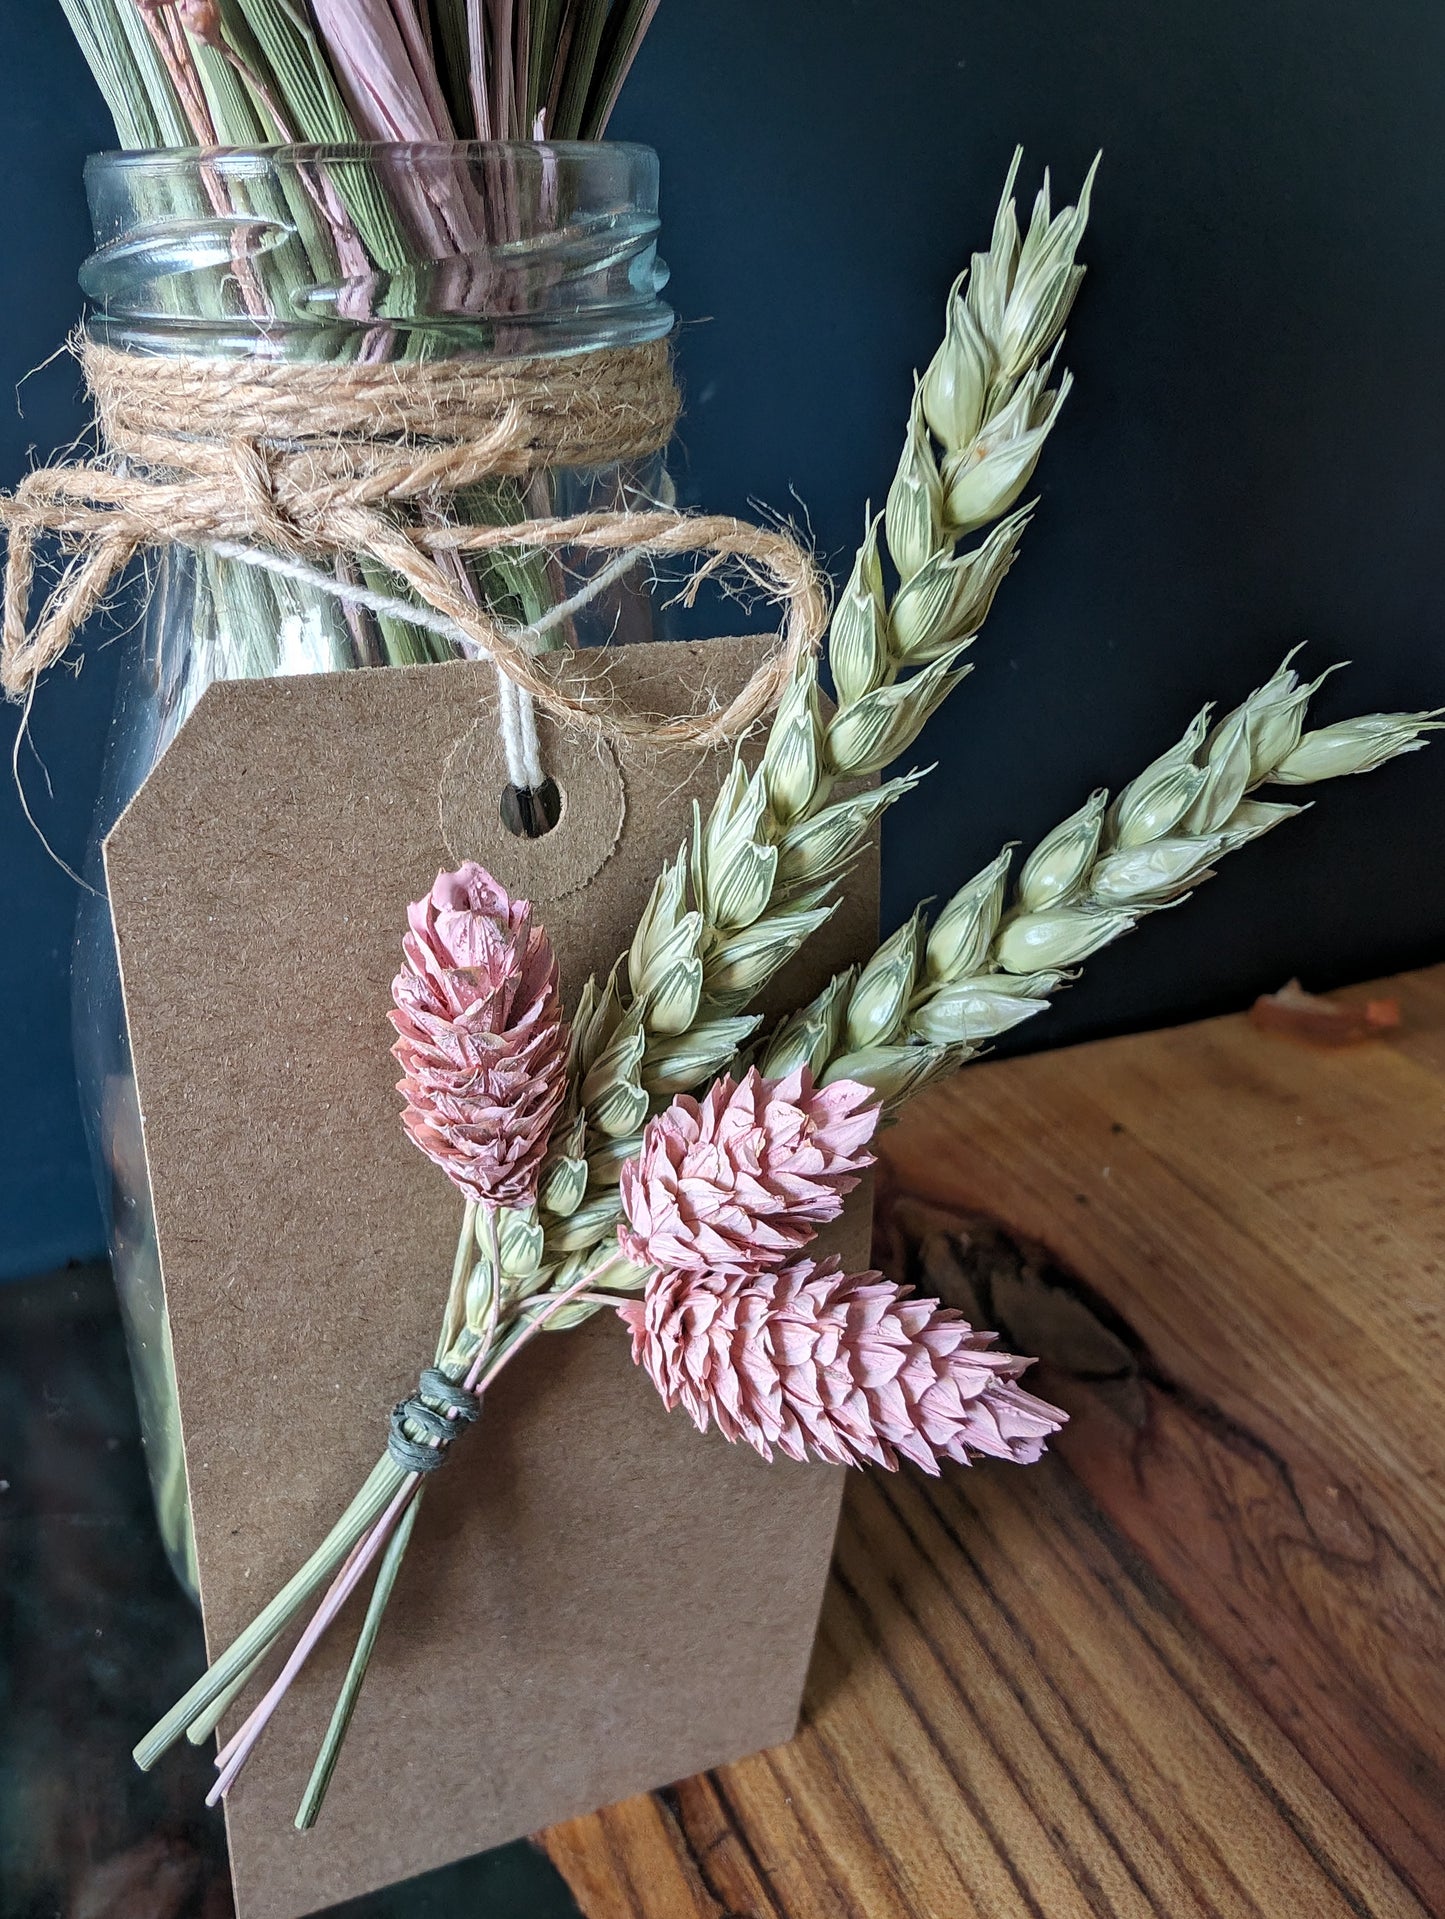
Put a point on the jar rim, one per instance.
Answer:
(494, 247)
(140, 158)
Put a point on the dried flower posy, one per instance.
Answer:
(628, 1164)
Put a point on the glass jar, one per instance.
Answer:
(371, 253)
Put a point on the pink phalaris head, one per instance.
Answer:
(734, 1182)
(482, 1042)
(844, 1367)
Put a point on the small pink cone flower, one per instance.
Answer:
(483, 1045)
(737, 1181)
(844, 1367)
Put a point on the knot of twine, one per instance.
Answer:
(306, 462)
(440, 1409)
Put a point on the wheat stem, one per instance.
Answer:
(763, 869)
(931, 999)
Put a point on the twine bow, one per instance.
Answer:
(307, 461)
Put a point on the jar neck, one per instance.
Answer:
(492, 249)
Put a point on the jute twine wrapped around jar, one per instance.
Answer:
(292, 466)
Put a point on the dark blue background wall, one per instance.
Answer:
(1252, 455)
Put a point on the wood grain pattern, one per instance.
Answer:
(1192, 1665)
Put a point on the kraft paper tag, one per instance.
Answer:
(598, 1599)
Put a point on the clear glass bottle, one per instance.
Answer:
(497, 250)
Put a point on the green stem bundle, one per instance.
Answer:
(296, 70)
(389, 1498)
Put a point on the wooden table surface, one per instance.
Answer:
(1193, 1664)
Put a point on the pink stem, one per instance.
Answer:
(238, 1749)
(477, 63)
(554, 1306)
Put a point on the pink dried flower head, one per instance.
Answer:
(737, 1181)
(844, 1367)
(483, 1045)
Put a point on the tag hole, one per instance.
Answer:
(531, 812)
